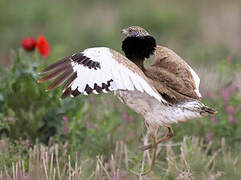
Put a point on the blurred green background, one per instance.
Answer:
(207, 34)
(189, 27)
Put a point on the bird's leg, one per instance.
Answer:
(154, 146)
(168, 136)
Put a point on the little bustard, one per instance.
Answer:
(165, 92)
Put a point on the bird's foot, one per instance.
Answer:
(168, 136)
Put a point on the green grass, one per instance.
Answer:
(100, 138)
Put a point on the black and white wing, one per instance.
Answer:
(97, 70)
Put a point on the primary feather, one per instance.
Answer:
(97, 70)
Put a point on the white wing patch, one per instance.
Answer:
(196, 80)
(97, 70)
(123, 78)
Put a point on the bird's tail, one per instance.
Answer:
(200, 108)
(205, 110)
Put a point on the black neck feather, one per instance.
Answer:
(138, 48)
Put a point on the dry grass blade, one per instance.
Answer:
(100, 161)
(212, 158)
(57, 160)
(44, 163)
(126, 156)
(45, 167)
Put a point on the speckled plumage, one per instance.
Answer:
(173, 78)
(165, 92)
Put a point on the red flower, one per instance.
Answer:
(43, 46)
(29, 44)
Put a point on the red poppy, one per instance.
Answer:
(43, 46)
(29, 44)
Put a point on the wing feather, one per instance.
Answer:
(126, 80)
(97, 70)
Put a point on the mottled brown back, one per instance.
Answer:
(171, 76)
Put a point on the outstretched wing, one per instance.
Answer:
(97, 70)
(172, 76)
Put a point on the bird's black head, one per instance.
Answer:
(138, 43)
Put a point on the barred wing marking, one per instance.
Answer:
(97, 70)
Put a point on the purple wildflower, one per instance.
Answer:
(26, 143)
(131, 118)
(212, 119)
(226, 94)
(230, 88)
(230, 59)
(10, 119)
(131, 135)
(119, 128)
(87, 124)
(231, 119)
(208, 136)
(230, 109)
(3, 145)
(65, 119)
(123, 114)
(65, 128)
(233, 87)
(95, 126)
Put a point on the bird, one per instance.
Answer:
(163, 93)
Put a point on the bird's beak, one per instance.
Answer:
(124, 31)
